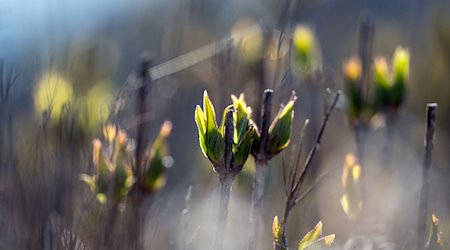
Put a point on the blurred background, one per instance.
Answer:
(88, 52)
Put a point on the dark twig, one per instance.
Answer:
(142, 140)
(226, 178)
(365, 53)
(141, 109)
(423, 206)
(308, 161)
(295, 183)
(261, 168)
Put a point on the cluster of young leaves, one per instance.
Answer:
(312, 240)
(212, 137)
(114, 163)
(156, 161)
(351, 200)
(389, 81)
(247, 136)
(113, 176)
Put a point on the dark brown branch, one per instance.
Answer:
(141, 109)
(226, 176)
(365, 53)
(265, 122)
(423, 206)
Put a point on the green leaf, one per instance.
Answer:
(322, 243)
(310, 237)
(155, 166)
(200, 120)
(280, 129)
(243, 148)
(241, 117)
(210, 114)
(215, 145)
(89, 180)
(222, 125)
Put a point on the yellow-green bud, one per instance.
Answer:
(281, 127)
(306, 51)
(400, 64)
(157, 161)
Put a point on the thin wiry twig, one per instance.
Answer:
(423, 206)
(311, 188)
(308, 161)
(297, 163)
(295, 183)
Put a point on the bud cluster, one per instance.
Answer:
(246, 137)
(390, 85)
(114, 163)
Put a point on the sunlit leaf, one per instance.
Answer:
(281, 128)
(210, 113)
(200, 120)
(322, 243)
(311, 236)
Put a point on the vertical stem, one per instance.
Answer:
(261, 166)
(423, 206)
(142, 110)
(225, 191)
(365, 53)
(226, 175)
(106, 234)
(258, 190)
(386, 154)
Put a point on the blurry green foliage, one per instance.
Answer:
(306, 51)
(157, 160)
(113, 164)
(351, 201)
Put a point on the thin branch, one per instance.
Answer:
(294, 196)
(297, 164)
(311, 188)
(423, 206)
(141, 109)
(317, 143)
(365, 53)
(265, 121)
